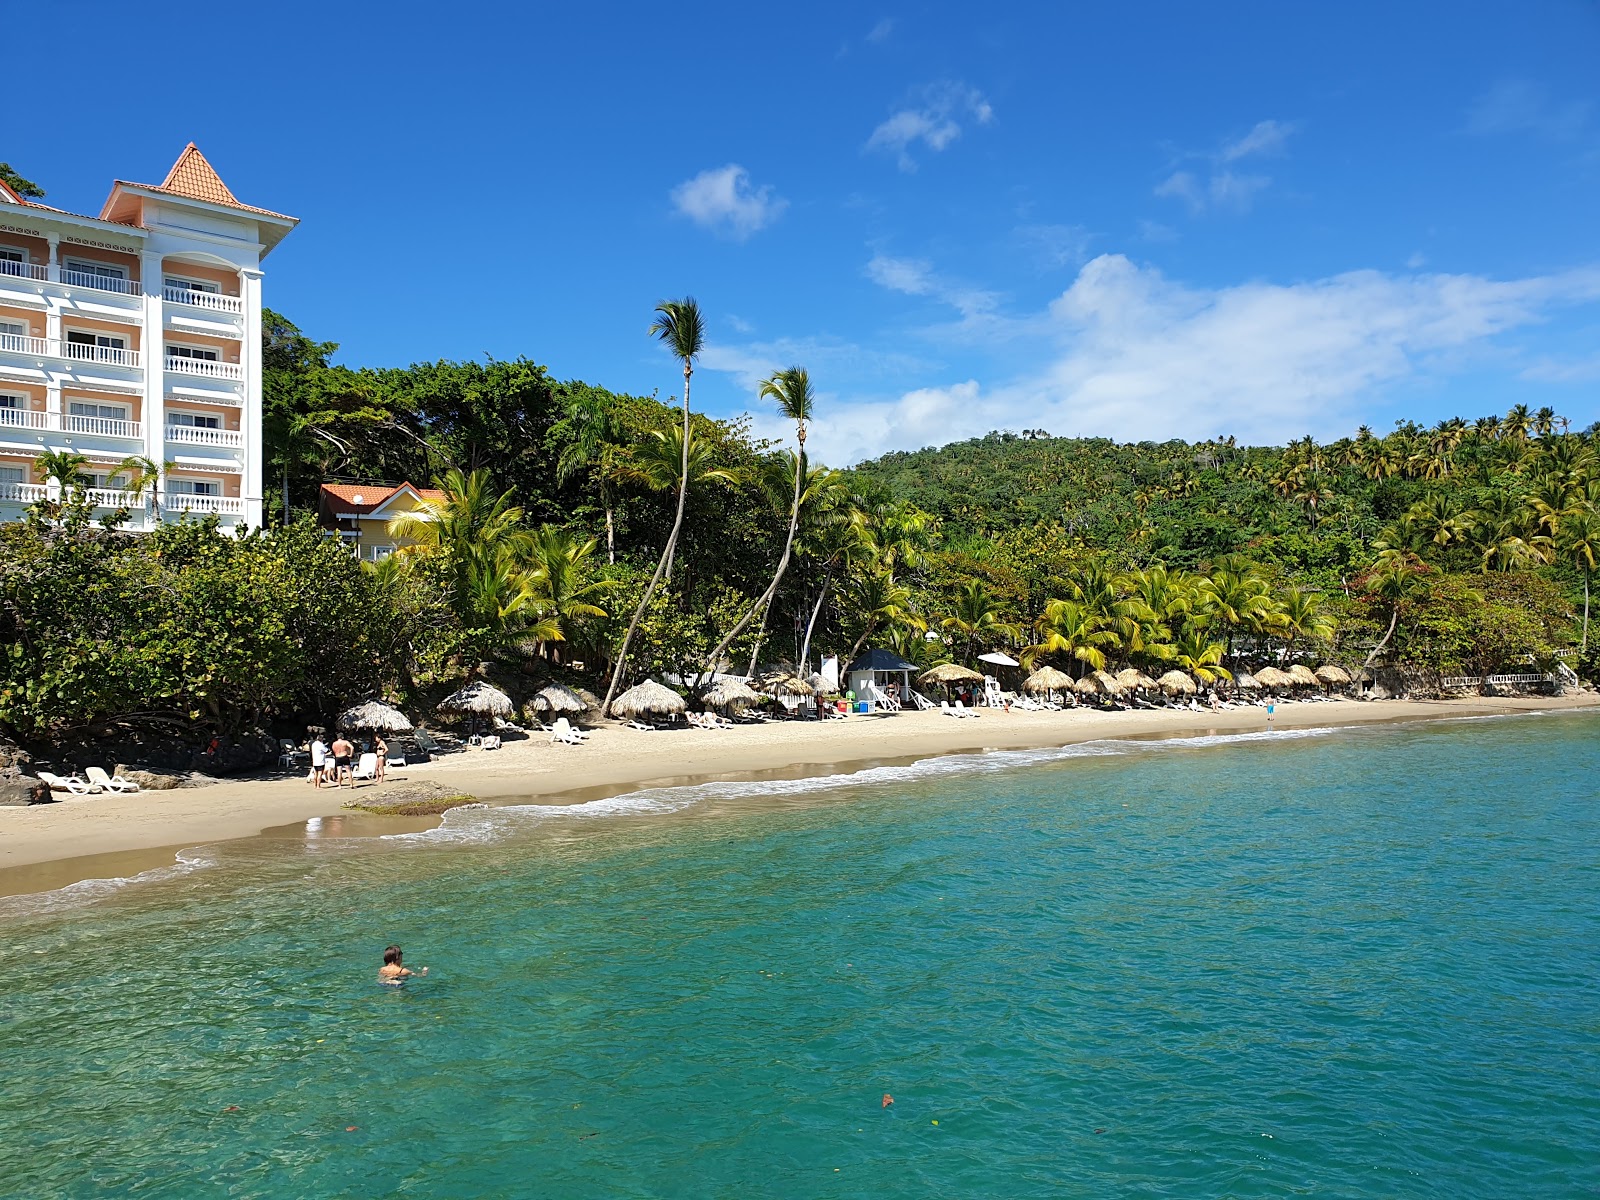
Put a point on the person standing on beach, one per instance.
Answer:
(342, 750)
(1269, 715)
(381, 749)
(319, 760)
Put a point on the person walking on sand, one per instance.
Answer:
(342, 750)
(381, 749)
(1269, 717)
(319, 761)
(393, 970)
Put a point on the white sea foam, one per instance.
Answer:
(86, 891)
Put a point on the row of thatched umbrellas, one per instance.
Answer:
(1131, 679)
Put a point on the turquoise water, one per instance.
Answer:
(1357, 963)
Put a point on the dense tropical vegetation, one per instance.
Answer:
(612, 537)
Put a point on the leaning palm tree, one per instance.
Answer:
(791, 390)
(1580, 544)
(678, 323)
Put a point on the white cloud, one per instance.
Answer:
(916, 277)
(933, 118)
(1219, 186)
(724, 201)
(1551, 370)
(1127, 353)
(881, 31)
(1518, 106)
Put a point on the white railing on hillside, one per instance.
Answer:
(210, 368)
(102, 426)
(222, 505)
(214, 301)
(100, 283)
(110, 356)
(1453, 682)
(17, 270)
(22, 493)
(195, 435)
(19, 343)
(24, 418)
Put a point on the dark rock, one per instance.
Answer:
(154, 781)
(22, 791)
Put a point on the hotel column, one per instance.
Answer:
(154, 348)
(53, 268)
(52, 333)
(250, 359)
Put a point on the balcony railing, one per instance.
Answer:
(22, 493)
(110, 356)
(210, 368)
(23, 418)
(18, 343)
(39, 271)
(221, 505)
(100, 283)
(214, 301)
(198, 436)
(102, 426)
(106, 498)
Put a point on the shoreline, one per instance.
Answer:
(45, 847)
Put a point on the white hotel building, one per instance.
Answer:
(137, 333)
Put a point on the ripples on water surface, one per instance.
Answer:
(1358, 964)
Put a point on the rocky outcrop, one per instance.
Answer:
(17, 786)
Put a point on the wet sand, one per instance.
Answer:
(50, 846)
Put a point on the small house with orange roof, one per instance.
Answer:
(359, 514)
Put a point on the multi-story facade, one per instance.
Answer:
(137, 334)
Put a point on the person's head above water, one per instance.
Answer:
(392, 956)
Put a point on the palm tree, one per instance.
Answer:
(144, 479)
(480, 537)
(791, 390)
(978, 614)
(1069, 627)
(596, 435)
(63, 467)
(567, 593)
(1394, 579)
(880, 601)
(1301, 616)
(1518, 420)
(678, 323)
(1580, 542)
(1200, 656)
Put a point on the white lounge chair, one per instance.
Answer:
(74, 785)
(963, 711)
(563, 732)
(366, 767)
(642, 726)
(947, 710)
(489, 741)
(98, 777)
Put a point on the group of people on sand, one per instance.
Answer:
(332, 764)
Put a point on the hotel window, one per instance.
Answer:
(199, 352)
(13, 261)
(12, 333)
(13, 474)
(189, 420)
(11, 408)
(176, 284)
(84, 266)
(193, 487)
(104, 482)
(105, 341)
(103, 412)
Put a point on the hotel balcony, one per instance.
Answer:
(193, 436)
(23, 493)
(98, 282)
(210, 301)
(223, 506)
(209, 368)
(26, 418)
(38, 347)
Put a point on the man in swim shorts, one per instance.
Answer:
(393, 971)
(342, 750)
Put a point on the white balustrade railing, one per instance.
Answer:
(102, 426)
(108, 498)
(210, 368)
(17, 270)
(99, 282)
(197, 436)
(214, 301)
(221, 505)
(19, 343)
(110, 356)
(24, 418)
(22, 493)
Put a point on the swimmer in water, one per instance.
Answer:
(392, 971)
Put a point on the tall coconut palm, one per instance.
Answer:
(1301, 616)
(144, 478)
(479, 535)
(880, 601)
(595, 446)
(1394, 579)
(1580, 545)
(791, 390)
(977, 614)
(678, 323)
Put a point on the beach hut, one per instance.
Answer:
(1176, 683)
(373, 717)
(728, 692)
(1047, 679)
(478, 699)
(1302, 676)
(647, 699)
(1271, 677)
(558, 699)
(882, 669)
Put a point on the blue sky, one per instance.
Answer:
(1123, 220)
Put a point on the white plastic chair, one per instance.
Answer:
(98, 777)
(367, 768)
(76, 786)
(564, 732)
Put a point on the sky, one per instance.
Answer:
(1137, 221)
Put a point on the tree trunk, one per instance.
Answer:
(861, 641)
(1394, 619)
(777, 576)
(1583, 647)
(761, 636)
(805, 648)
(663, 566)
(611, 534)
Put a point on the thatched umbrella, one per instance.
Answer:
(1332, 675)
(374, 717)
(1247, 681)
(1302, 675)
(786, 685)
(1048, 679)
(559, 699)
(478, 699)
(1135, 679)
(1109, 683)
(1271, 677)
(1176, 683)
(647, 699)
(729, 693)
(949, 673)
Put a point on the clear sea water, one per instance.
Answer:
(1337, 964)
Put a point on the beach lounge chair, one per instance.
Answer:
(944, 707)
(397, 757)
(489, 741)
(563, 732)
(642, 726)
(426, 743)
(73, 784)
(98, 777)
(963, 711)
(366, 767)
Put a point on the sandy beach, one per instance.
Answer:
(52, 845)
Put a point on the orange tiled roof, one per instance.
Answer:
(193, 178)
(364, 497)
